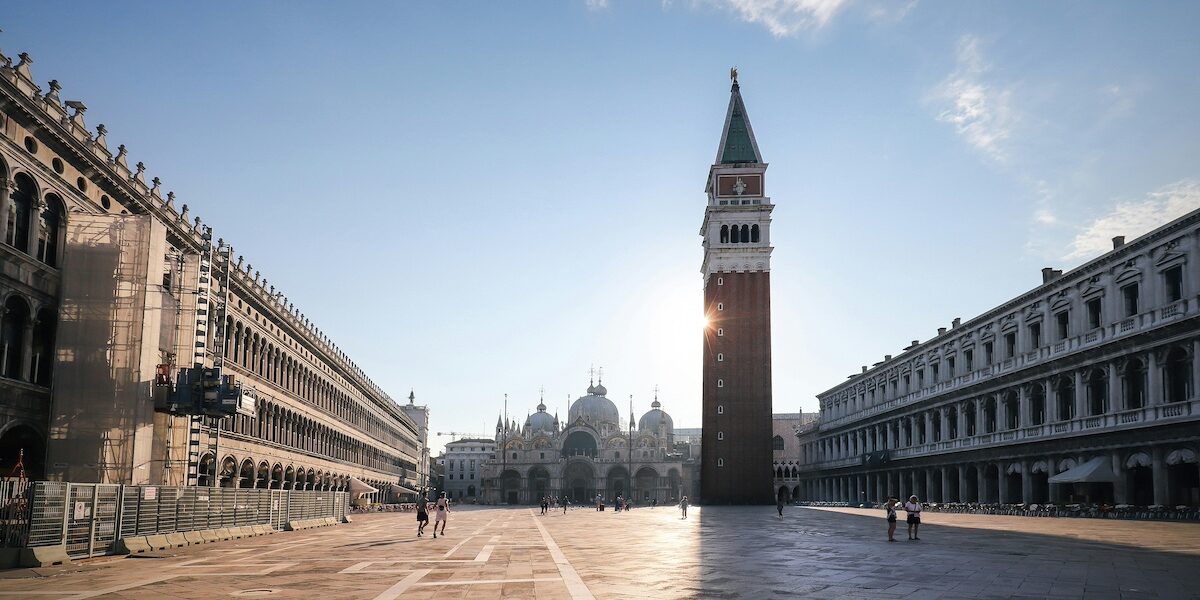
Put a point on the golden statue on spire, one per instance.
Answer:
(733, 74)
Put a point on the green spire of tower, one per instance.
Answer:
(737, 139)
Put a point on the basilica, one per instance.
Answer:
(590, 454)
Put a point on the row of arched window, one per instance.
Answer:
(26, 341)
(257, 354)
(278, 424)
(739, 234)
(33, 226)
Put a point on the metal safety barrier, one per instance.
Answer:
(88, 518)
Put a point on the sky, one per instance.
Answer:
(476, 199)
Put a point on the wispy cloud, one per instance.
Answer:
(980, 112)
(783, 18)
(1135, 218)
(890, 11)
(596, 4)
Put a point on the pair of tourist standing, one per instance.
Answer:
(913, 508)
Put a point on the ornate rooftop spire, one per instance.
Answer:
(737, 137)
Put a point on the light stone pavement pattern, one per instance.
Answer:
(719, 552)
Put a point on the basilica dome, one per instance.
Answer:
(654, 418)
(595, 407)
(541, 420)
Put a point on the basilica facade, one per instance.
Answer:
(591, 453)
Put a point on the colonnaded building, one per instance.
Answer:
(103, 278)
(591, 453)
(1081, 390)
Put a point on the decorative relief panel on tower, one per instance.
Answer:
(731, 186)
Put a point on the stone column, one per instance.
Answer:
(1121, 485)
(981, 495)
(1001, 412)
(1115, 393)
(945, 495)
(1159, 468)
(1001, 484)
(1026, 483)
(1023, 412)
(928, 426)
(6, 189)
(891, 438)
(27, 349)
(1154, 389)
(962, 483)
(1080, 395)
(980, 418)
(1051, 401)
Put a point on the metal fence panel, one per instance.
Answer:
(14, 512)
(47, 513)
(104, 518)
(79, 518)
(89, 518)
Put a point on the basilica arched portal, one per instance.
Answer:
(579, 480)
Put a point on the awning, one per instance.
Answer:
(1097, 470)
(358, 487)
(400, 489)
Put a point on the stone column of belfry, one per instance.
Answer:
(736, 459)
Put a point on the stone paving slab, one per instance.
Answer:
(718, 552)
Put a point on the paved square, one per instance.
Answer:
(734, 552)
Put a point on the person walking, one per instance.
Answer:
(913, 507)
(442, 514)
(565, 502)
(545, 504)
(779, 505)
(683, 506)
(890, 507)
(422, 517)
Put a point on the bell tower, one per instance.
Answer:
(736, 453)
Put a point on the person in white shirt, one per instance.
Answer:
(441, 515)
(913, 508)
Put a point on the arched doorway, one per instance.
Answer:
(229, 469)
(783, 494)
(205, 471)
(510, 487)
(617, 482)
(1013, 484)
(970, 491)
(1139, 479)
(990, 494)
(646, 481)
(263, 479)
(24, 443)
(246, 474)
(539, 484)
(1183, 478)
(1040, 482)
(276, 477)
(579, 478)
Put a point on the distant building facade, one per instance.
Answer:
(736, 380)
(1080, 390)
(462, 468)
(785, 450)
(591, 453)
(103, 277)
